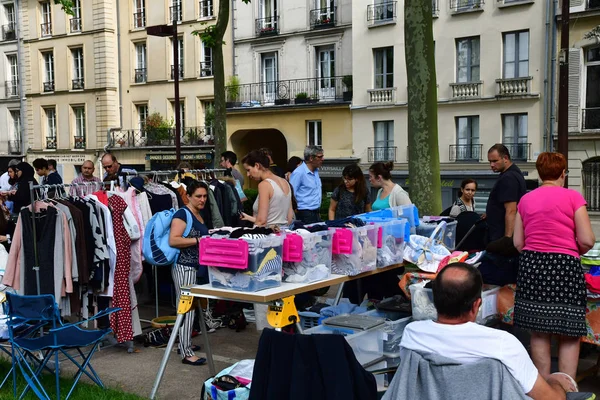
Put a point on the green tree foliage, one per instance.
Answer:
(66, 5)
(423, 150)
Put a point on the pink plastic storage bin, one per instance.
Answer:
(356, 250)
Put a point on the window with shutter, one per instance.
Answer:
(574, 89)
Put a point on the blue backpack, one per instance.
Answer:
(156, 247)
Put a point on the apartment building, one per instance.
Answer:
(147, 83)
(584, 100)
(293, 61)
(70, 78)
(490, 64)
(11, 145)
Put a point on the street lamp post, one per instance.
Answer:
(166, 31)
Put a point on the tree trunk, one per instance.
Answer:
(424, 159)
(220, 121)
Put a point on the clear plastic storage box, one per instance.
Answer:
(316, 258)
(264, 264)
(354, 250)
(449, 238)
(391, 240)
(393, 328)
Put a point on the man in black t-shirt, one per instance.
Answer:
(501, 266)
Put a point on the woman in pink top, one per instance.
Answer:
(552, 229)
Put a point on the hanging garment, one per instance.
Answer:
(46, 222)
(121, 322)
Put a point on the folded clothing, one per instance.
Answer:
(342, 308)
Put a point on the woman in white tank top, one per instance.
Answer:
(273, 206)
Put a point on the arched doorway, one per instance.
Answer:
(245, 140)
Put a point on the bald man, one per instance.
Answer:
(86, 176)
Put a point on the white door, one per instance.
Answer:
(326, 10)
(326, 73)
(269, 76)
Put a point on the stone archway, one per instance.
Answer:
(245, 140)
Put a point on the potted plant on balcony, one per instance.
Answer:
(233, 92)
(347, 81)
(301, 98)
(158, 130)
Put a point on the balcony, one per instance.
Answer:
(75, 25)
(514, 86)
(46, 29)
(139, 20)
(175, 13)
(466, 90)
(381, 13)
(78, 84)
(382, 154)
(14, 147)
(140, 75)
(322, 18)
(207, 9)
(464, 6)
(48, 86)
(135, 138)
(518, 151)
(284, 92)
(466, 152)
(9, 32)
(12, 88)
(267, 26)
(206, 69)
(510, 3)
(382, 96)
(591, 118)
(180, 70)
(79, 142)
(51, 143)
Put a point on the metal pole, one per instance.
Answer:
(563, 93)
(165, 359)
(36, 266)
(176, 79)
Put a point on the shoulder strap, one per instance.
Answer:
(190, 221)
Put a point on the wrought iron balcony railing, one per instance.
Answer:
(293, 91)
(458, 6)
(51, 142)
(514, 86)
(518, 151)
(190, 136)
(466, 152)
(12, 88)
(267, 26)
(14, 146)
(9, 32)
(382, 96)
(139, 20)
(79, 141)
(206, 69)
(46, 29)
(75, 25)
(180, 70)
(78, 84)
(382, 154)
(322, 18)
(381, 12)
(591, 118)
(175, 13)
(206, 9)
(140, 75)
(49, 86)
(465, 90)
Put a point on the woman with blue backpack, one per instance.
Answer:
(186, 269)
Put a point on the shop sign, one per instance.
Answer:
(69, 159)
(445, 183)
(173, 157)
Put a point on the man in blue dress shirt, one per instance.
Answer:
(307, 185)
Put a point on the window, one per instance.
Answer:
(79, 134)
(384, 149)
(516, 55)
(268, 20)
(269, 75)
(181, 113)
(591, 112)
(208, 108)
(140, 63)
(76, 20)
(514, 135)
(206, 9)
(383, 10)
(46, 12)
(142, 114)
(78, 79)
(12, 78)
(50, 128)
(314, 135)
(591, 183)
(9, 30)
(176, 11)
(467, 146)
(326, 72)
(139, 13)
(180, 58)
(48, 71)
(323, 14)
(384, 67)
(206, 66)
(14, 143)
(467, 60)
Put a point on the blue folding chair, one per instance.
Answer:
(43, 310)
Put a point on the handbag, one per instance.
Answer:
(427, 252)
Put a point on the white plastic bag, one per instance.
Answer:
(427, 252)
